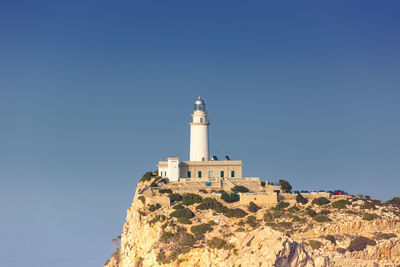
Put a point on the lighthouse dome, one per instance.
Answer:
(199, 104)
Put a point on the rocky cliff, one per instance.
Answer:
(202, 231)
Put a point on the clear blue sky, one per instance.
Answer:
(94, 93)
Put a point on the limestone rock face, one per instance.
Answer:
(289, 237)
(263, 246)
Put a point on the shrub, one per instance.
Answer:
(203, 191)
(216, 242)
(158, 218)
(380, 236)
(341, 204)
(320, 201)
(240, 188)
(394, 201)
(165, 191)
(331, 238)
(310, 212)
(285, 185)
(324, 212)
(173, 197)
(253, 207)
(211, 204)
(178, 238)
(178, 207)
(321, 218)
(212, 222)
(142, 198)
(236, 213)
(154, 207)
(262, 183)
(251, 220)
(314, 244)
(360, 243)
(369, 216)
(184, 220)
(190, 199)
(232, 197)
(368, 205)
(281, 205)
(300, 199)
(268, 217)
(182, 213)
(341, 250)
(201, 229)
(146, 177)
(293, 209)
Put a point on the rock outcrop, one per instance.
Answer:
(152, 237)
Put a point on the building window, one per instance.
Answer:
(232, 174)
(165, 173)
(201, 119)
(199, 174)
(189, 174)
(210, 174)
(222, 174)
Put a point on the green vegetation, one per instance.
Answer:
(236, 213)
(154, 207)
(300, 199)
(394, 201)
(219, 243)
(178, 207)
(182, 241)
(262, 183)
(321, 218)
(381, 236)
(370, 216)
(182, 213)
(324, 212)
(203, 191)
(158, 218)
(240, 188)
(320, 201)
(146, 177)
(268, 217)
(341, 204)
(310, 212)
(142, 198)
(165, 191)
(190, 199)
(213, 204)
(251, 220)
(360, 243)
(201, 229)
(253, 207)
(314, 244)
(293, 209)
(184, 220)
(341, 250)
(230, 198)
(285, 185)
(281, 206)
(174, 197)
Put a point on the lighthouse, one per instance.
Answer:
(199, 132)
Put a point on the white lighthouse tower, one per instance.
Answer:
(199, 132)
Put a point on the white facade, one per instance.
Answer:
(173, 169)
(199, 133)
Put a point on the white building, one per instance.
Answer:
(200, 167)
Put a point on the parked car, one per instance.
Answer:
(303, 191)
(322, 191)
(296, 192)
(339, 192)
(216, 193)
